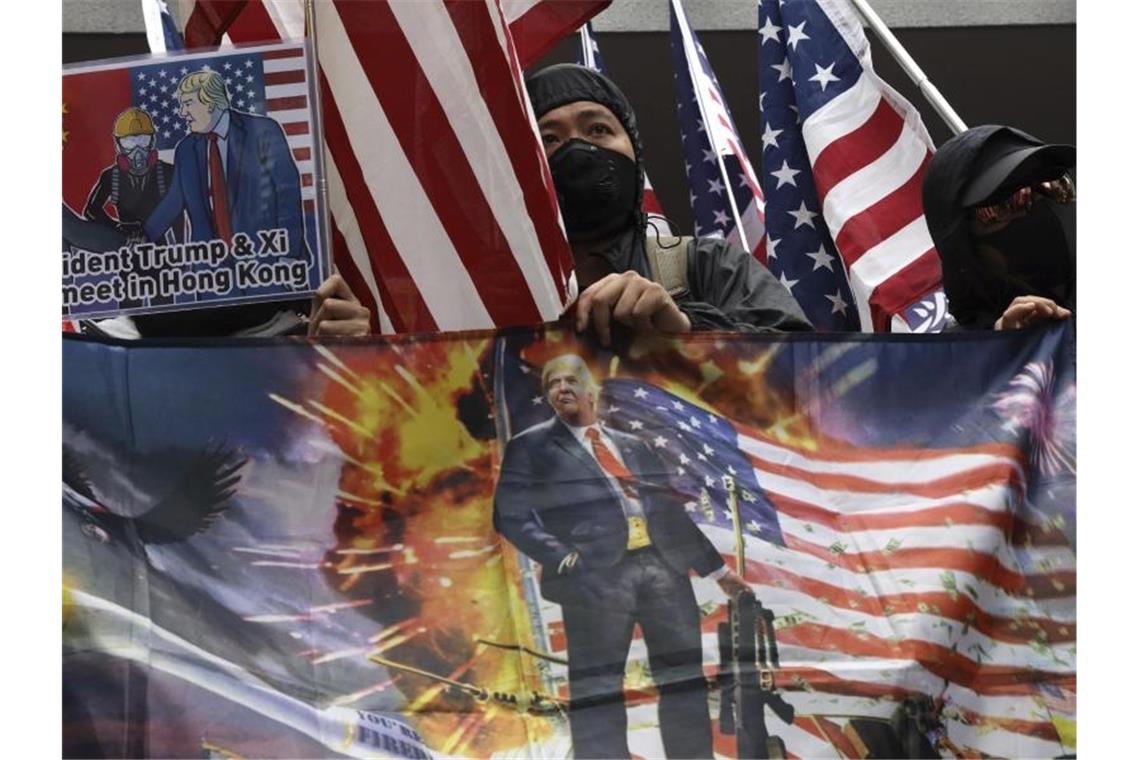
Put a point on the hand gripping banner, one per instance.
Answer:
(520, 544)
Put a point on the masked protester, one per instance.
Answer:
(591, 140)
(1002, 212)
(136, 182)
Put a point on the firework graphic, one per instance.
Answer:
(1048, 421)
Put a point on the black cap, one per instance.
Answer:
(1011, 159)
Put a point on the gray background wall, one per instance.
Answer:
(995, 61)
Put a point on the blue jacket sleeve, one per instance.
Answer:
(170, 208)
(278, 161)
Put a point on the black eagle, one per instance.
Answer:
(200, 495)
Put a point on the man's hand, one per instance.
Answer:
(568, 563)
(1024, 311)
(632, 300)
(336, 310)
(733, 585)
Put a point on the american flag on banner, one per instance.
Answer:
(270, 82)
(588, 54)
(444, 215)
(722, 186)
(880, 558)
(824, 109)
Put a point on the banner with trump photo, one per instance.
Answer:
(522, 544)
(190, 180)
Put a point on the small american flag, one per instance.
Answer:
(590, 55)
(723, 190)
(843, 161)
(443, 209)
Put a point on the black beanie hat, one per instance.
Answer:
(562, 83)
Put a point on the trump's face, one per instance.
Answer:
(199, 116)
(571, 399)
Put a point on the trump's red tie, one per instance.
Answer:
(638, 527)
(610, 463)
(219, 201)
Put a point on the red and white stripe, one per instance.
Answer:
(444, 214)
(904, 571)
(869, 151)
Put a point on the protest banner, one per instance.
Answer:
(189, 180)
(394, 547)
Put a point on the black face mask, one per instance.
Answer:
(1040, 251)
(597, 190)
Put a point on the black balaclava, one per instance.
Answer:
(1038, 250)
(599, 190)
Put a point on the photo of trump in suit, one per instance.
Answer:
(593, 506)
(233, 172)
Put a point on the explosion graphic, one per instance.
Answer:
(416, 428)
(1028, 407)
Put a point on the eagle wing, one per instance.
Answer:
(200, 496)
(75, 476)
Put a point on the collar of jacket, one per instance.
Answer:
(627, 251)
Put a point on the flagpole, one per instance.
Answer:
(925, 86)
(687, 41)
(319, 159)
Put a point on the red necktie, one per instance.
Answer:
(218, 198)
(611, 464)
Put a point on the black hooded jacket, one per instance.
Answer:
(976, 297)
(728, 288)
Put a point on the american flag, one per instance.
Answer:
(444, 214)
(876, 560)
(824, 109)
(893, 570)
(723, 190)
(590, 55)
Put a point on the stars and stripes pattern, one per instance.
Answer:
(846, 154)
(588, 54)
(723, 189)
(800, 249)
(875, 560)
(443, 212)
(892, 572)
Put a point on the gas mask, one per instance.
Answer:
(136, 154)
(597, 190)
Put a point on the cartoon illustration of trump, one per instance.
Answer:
(233, 172)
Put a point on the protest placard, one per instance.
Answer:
(190, 181)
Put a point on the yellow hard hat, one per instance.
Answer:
(133, 121)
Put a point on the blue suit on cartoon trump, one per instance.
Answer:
(233, 173)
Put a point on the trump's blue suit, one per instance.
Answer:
(552, 498)
(264, 187)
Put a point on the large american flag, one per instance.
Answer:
(723, 190)
(893, 570)
(588, 54)
(890, 570)
(444, 215)
(823, 108)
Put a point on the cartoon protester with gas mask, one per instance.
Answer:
(136, 182)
